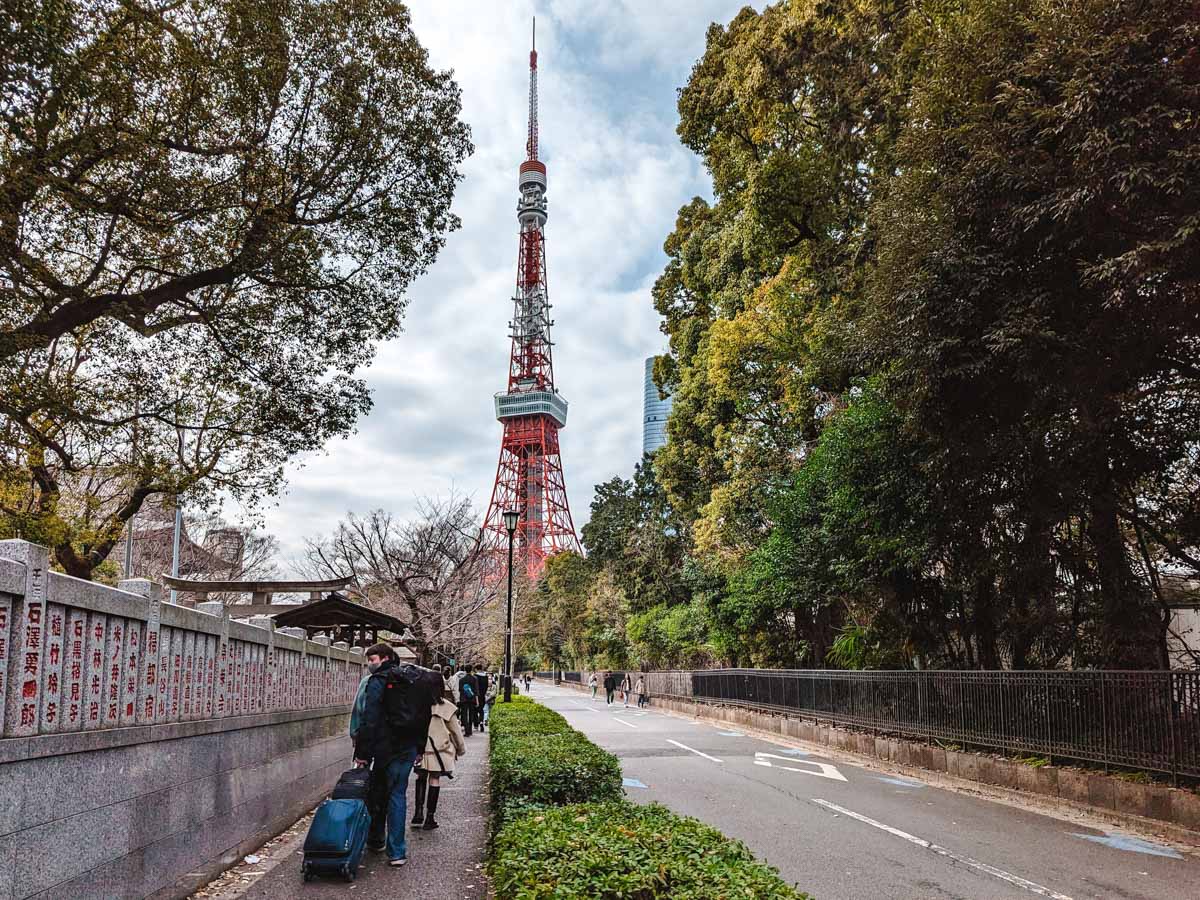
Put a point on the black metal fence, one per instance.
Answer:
(1141, 720)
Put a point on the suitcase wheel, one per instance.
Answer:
(306, 872)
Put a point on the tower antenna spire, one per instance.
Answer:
(531, 142)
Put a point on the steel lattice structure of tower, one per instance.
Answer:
(529, 476)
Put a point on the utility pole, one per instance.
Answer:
(175, 546)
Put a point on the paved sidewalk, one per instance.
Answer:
(445, 864)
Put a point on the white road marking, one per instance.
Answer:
(826, 770)
(1030, 886)
(623, 722)
(692, 750)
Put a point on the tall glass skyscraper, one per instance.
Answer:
(654, 412)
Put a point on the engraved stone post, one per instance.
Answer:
(24, 676)
(145, 696)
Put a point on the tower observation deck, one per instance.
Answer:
(529, 475)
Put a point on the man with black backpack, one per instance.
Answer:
(394, 724)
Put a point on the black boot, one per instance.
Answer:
(419, 815)
(430, 822)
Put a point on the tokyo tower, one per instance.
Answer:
(529, 476)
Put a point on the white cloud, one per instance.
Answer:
(608, 74)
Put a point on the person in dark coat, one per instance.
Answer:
(481, 689)
(390, 751)
(610, 686)
(465, 679)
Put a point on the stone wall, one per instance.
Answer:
(145, 745)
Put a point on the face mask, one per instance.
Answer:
(373, 667)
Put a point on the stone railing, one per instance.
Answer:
(78, 656)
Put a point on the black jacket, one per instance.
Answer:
(375, 740)
(610, 683)
(481, 686)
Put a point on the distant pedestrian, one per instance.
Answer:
(466, 698)
(528, 681)
(490, 700)
(593, 683)
(610, 687)
(640, 690)
(481, 687)
(626, 688)
(443, 747)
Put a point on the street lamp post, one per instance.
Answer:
(511, 517)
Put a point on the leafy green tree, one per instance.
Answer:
(1041, 308)
(208, 216)
(852, 544)
(635, 533)
(795, 112)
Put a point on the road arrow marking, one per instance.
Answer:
(826, 770)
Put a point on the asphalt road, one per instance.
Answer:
(843, 832)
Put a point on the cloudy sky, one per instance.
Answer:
(608, 75)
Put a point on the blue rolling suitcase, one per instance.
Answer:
(336, 839)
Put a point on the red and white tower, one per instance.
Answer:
(529, 476)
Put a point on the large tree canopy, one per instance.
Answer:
(933, 342)
(274, 172)
(209, 214)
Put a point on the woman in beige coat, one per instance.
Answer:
(444, 745)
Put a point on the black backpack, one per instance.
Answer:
(355, 784)
(407, 702)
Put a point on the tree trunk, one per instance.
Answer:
(1127, 632)
(985, 622)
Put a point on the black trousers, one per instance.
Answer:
(465, 716)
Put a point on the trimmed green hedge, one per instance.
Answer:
(537, 759)
(524, 716)
(564, 830)
(618, 851)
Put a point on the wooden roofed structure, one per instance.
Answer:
(343, 620)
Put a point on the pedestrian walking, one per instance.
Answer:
(610, 687)
(528, 681)
(640, 690)
(466, 698)
(443, 747)
(593, 683)
(481, 686)
(490, 700)
(626, 687)
(395, 719)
